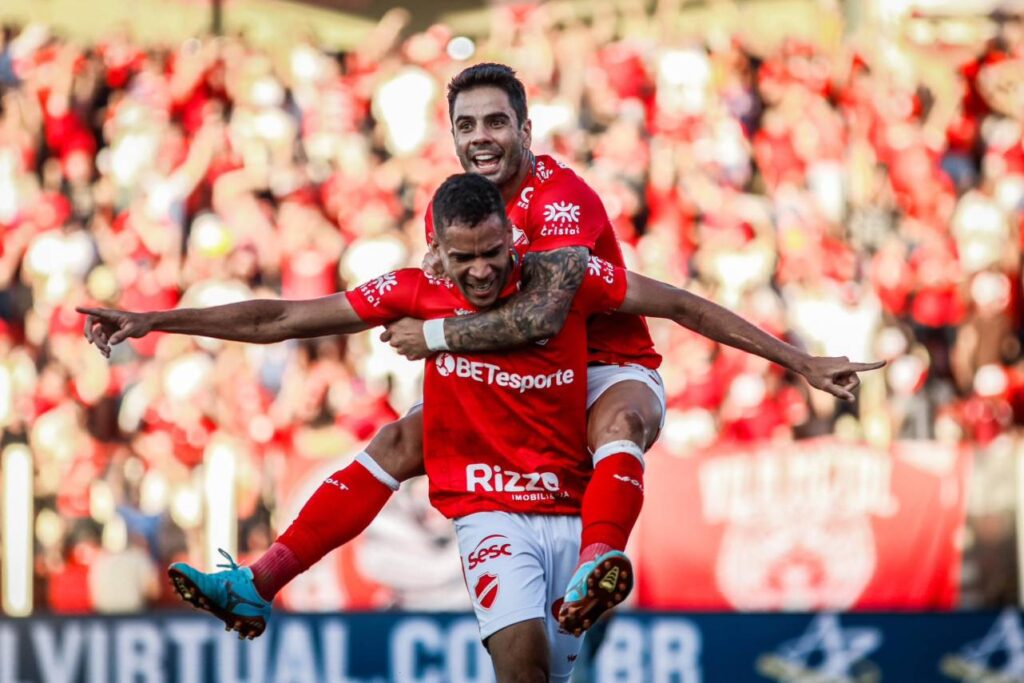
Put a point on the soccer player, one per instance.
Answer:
(504, 434)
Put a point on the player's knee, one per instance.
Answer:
(627, 424)
(397, 449)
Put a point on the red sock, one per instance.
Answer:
(337, 512)
(611, 504)
(274, 570)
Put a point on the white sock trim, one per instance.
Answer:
(615, 447)
(367, 461)
(433, 334)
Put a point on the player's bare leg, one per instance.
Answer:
(622, 424)
(521, 653)
(340, 509)
(398, 447)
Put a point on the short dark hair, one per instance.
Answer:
(465, 198)
(489, 74)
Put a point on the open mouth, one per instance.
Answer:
(481, 290)
(486, 162)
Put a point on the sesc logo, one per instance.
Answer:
(445, 364)
(825, 652)
(498, 547)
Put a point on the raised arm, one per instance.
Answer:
(260, 321)
(654, 299)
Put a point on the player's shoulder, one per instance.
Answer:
(556, 182)
(553, 174)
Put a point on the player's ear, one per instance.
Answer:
(527, 133)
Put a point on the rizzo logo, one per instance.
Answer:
(486, 590)
(493, 479)
(498, 547)
(489, 373)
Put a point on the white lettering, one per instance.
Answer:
(139, 652)
(58, 664)
(295, 660)
(675, 652)
(335, 644)
(229, 664)
(513, 482)
(99, 659)
(409, 639)
(478, 475)
(494, 479)
(189, 636)
(832, 481)
(9, 655)
(489, 373)
(621, 657)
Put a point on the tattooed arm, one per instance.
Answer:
(537, 311)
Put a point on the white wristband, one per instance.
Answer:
(433, 333)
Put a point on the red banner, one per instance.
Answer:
(817, 524)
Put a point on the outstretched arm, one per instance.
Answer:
(260, 321)
(654, 299)
(538, 311)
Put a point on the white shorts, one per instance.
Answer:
(600, 378)
(516, 566)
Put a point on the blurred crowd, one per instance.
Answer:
(833, 197)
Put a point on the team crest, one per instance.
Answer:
(486, 590)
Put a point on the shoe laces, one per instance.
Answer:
(231, 564)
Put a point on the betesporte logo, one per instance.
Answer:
(492, 374)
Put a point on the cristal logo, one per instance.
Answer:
(493, 479)
(598, 267)
(491, 374)
(499, 547)
(445, 364)
(563, 212)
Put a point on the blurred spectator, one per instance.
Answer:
(835, 198)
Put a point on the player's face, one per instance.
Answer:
(477, 258)
(489, 140)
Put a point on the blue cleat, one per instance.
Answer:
(596, 587)
(231, 595)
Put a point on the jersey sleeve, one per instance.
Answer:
(387, 298)
(603, 288)
(565, 213)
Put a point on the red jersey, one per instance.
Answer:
(502, 431)
(555, 208)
